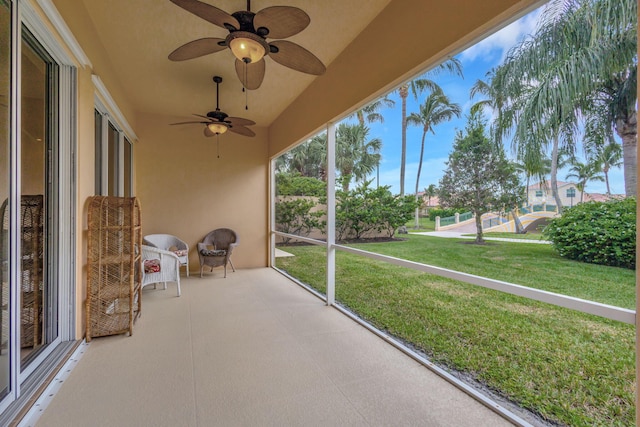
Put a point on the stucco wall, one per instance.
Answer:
(186, 190)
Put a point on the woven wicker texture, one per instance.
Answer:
(31, 283)
(168, 267)
(114, 265)
(172, 243)
(219, 239)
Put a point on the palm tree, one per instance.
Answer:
(537, 166)
(583, 173)
(437, 108)
(494, 99)
(609, 156)
(308, 158)
(370, 113)
(282, 163)
(416, 87)
(531, 155)
(535, 130)
(583, 52)
(430, 191)
(355, 155)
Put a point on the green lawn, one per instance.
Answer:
(571, 368)
(526, 236)
(425, 225)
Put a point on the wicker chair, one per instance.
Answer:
(216, 248)
(159, 266)
(170, 243)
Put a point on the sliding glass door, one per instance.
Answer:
(5, 167)
(37, 122)
(37, 216)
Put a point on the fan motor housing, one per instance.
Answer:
(218, 115)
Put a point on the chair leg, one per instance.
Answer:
(178, 283)
(201, 268)
(225, 271)
(187, 268)
(232, 267)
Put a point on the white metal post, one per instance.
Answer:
(331, 213)
(272, 212)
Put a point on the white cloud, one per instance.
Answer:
(498, 44)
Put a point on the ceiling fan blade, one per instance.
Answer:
(196, 49)
(241, 130)
(204, 117)
(207, 12)
(296, 57)
(187, 123)
(207, 132)
(239, 121)
(281, 21)
(250, 75)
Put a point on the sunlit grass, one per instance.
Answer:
(570, 367)
(506, 235)
(425, 224)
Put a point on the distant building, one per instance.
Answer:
(538, 194)
(427, 203)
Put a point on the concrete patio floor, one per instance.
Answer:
(254, 349)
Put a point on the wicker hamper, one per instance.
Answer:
(114, 265)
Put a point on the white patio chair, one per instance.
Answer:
(170, 243)
(159, 266)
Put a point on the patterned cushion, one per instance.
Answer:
(151, 266)
(181, 252)
(213, 252)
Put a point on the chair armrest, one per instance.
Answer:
(150, 252)
(148, 243)
(180, 244)
(231, 246)
(169, 270)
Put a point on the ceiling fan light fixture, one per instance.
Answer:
(217, 128)
(247, 47)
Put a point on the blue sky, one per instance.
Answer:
(476, 61)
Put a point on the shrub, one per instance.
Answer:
(364, 210)
(597, 232)
(444, 212)
(288, 184)
(296, 217)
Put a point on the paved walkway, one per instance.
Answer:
(461, 235)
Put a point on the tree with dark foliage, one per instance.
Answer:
(478, 176)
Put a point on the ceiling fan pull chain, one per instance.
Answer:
(218, 144)
(246, 92)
